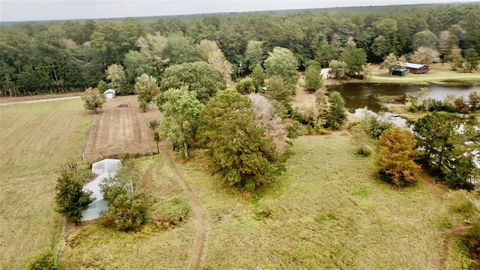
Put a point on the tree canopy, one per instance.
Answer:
(281, 62)
(70, 56)
(198, 76)
(239, 149)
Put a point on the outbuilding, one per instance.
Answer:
(109, 94)
(416, 68)
(104, 169)
(399, 71)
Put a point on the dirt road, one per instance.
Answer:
(10, 103)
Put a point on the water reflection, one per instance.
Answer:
(358, 95)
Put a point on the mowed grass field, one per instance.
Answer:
(328, 211)
(35, 140)
(438, 74)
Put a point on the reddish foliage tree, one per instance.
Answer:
(396, 153)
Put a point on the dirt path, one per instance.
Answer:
(438, 191)
(200, 218)
(449, 236)
(37, 101)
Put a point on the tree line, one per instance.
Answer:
(73, 55)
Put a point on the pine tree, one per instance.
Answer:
(337, 113)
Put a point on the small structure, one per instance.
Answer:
(106, 168)
(109, 94)
(325, 73)
(399, 71)
(416, 68)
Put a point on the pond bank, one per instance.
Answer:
(361, 95)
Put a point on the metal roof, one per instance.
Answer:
(412, 65)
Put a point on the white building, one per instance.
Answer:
(106, 168)
(109, 94)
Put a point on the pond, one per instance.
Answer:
(361, 95)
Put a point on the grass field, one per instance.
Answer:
(35, 139)
(327, 210)
(438, 74)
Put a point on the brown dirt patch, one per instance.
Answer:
(119, 130)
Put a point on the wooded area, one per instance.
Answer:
(67, 56)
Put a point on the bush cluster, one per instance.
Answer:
(45, 260)
(374, 126)
(459, 104)
(127, 207)
(70, 198)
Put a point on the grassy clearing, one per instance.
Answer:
(34, 140)
(328, 210)
(438, 74)
(95, 247)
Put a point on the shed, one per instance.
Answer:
(325, 73)
(416, 68)
(399, 71)
(109, 94)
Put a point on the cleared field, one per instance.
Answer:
(119, 130)
(438, 74)
(327, 210)
(35, 140)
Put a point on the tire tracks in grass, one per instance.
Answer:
(200, 218)
(438, 191)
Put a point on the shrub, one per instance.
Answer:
(474, 101)
(154, 124)
(337, 68)
(337, 113)
(92, 99)
(396, 154)
(127, 208)
(363, 151)
(279, 90)
(313, 78)
(375, 127)
(246, 86)
(461, 105)
(459, 203)
(70, 199)
(171, 212)
(45, 260)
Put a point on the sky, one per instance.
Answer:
(29, 10)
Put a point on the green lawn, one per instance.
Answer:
(35, 139)
(438, 74)
(328, 210)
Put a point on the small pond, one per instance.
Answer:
(361, 95)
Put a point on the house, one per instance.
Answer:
(399, 71)
(109, 94)
(416, 68)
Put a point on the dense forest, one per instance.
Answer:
(73, 55)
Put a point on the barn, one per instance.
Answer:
(109, 94)
(416, 68)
